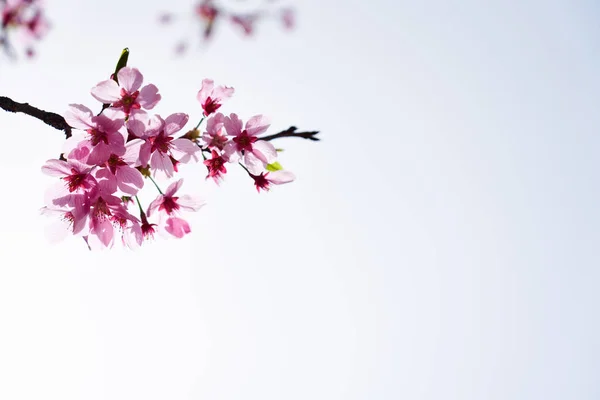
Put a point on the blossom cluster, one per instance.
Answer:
(106, 163)
(207, 12)
(24, 17)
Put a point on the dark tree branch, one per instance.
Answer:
(291, 132)
(49, 118)
(58, 122)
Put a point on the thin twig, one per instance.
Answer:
(291, 132)
(49, 118)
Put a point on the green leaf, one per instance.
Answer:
(274, 167)
(121, 63)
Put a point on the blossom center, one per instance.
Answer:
(210, 105)
(161, 142)
(97, 136)
(114, 162)
(75, 180)
(169, 204)
(128, 101)
(261, 182)
(101, 209)
(244, 141)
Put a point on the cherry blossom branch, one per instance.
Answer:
(49, 118)
(291, 132)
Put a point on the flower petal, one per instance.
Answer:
(175, 122)
(205, 90)
(233, 125)
(257, 125)
(280, 177)
(254, 164)
(107, 91)
(190, 203)
(79, 116)
(149, 96)
(265, 151)
(129, 180)
(223, 93)
(56, 168)
(130, 79)
(161, 162)
(173, 188)
(177, 227)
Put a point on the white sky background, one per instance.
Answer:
(441, 242)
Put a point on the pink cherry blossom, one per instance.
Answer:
(177, 227)
(211, 97)
(245, 143)
(171, 207)
(246, 22)
(128, 225)
(77, 176)
(264, 180)
(216, 166)
(104, 137)
(37, 26)
(126, 95)
(119, 167)
(288, 18)
(208, 13)
(24, 16)
(147, 228)
(67, 222)
(207, 10)
(171, 204)
(106, 211)
(215, 136)
(160, 147)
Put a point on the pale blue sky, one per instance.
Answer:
(441, 242)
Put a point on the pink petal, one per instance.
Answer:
(108, 124)
(254, 164)
(257, 125)
(230, 152)
(132, 151)
(79, 116)
(177, 227)
(214, 123)
(100, 154)
(154, 205)
(104, 230)
(280, 177)
(56, 168)
(130, 79)
(81, 152)
(223, 92)
(205, 90)
(133, 236)
(265, 151)
(185, 146)
(175, 122)
(143, 124)
(107, 187)
(145, 152)
(149, 97)
(107, 91)
(129, 180)
(190, 203)
(161, 162)
(233, 125)
(173, 188)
